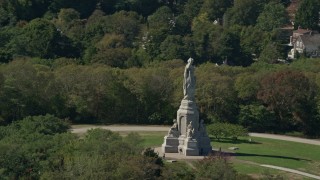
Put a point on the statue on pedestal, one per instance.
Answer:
(187, 135)
(189, 81)
(190, 130)
(173, 131)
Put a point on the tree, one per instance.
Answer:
(41, 37)
(124, 23)
(216, 130)
(109, 6)
(216, 96)
(6, 17)
(270, 54)
(307, 15)
(143, 7)
(247, 86)
(226, 130)
(173, 48)
(39, 147)
(192, 8)
(115, 57)
(24, 10)
(161, 19)
(152, 87)
(80, 160)
(273, 16)
(257, 118)
(47, 125)
(284, 92)
(215, 8)
(27, 90)
(227, 47)
(112, 50)
(6, 35)
(86, 90)
(67, 16)
(28, 146)
(179, 170)
(84, 7)
(96, 25)
(182, 25)
(244, 13)
(253, 40)
(204, 34)
(215, 167)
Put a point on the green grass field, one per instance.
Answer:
(152, 139)
(299, 156)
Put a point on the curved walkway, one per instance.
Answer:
(291, 171)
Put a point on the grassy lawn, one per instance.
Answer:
(257, 171)
(303, 157)
(152, 139)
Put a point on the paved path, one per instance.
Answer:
(148, 128)
(286, 138)
(292, 171)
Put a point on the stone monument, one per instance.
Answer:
(187, 135)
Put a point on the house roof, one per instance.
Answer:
(302, 31)
(311, 42)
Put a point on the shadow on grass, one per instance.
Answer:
(238, 141)
(269, 156)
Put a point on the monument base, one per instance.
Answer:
(205, 146)
(170, 145)
(189, 148)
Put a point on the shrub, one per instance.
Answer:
(226, 130)
(217, 130)
(215, 167)
(48, 125)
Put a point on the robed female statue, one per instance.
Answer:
(189, 82)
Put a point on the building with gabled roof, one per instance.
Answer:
(305, 42)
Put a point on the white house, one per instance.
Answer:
(306, 42)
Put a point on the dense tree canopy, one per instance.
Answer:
(151, 95)
(152, 30)
(273, 16)
(122, 61)
(40, 147)
(308, 15)
(107, 61)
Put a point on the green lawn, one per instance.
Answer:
(259, 171)
(303, 157)
(152, 139)
(299, 156)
